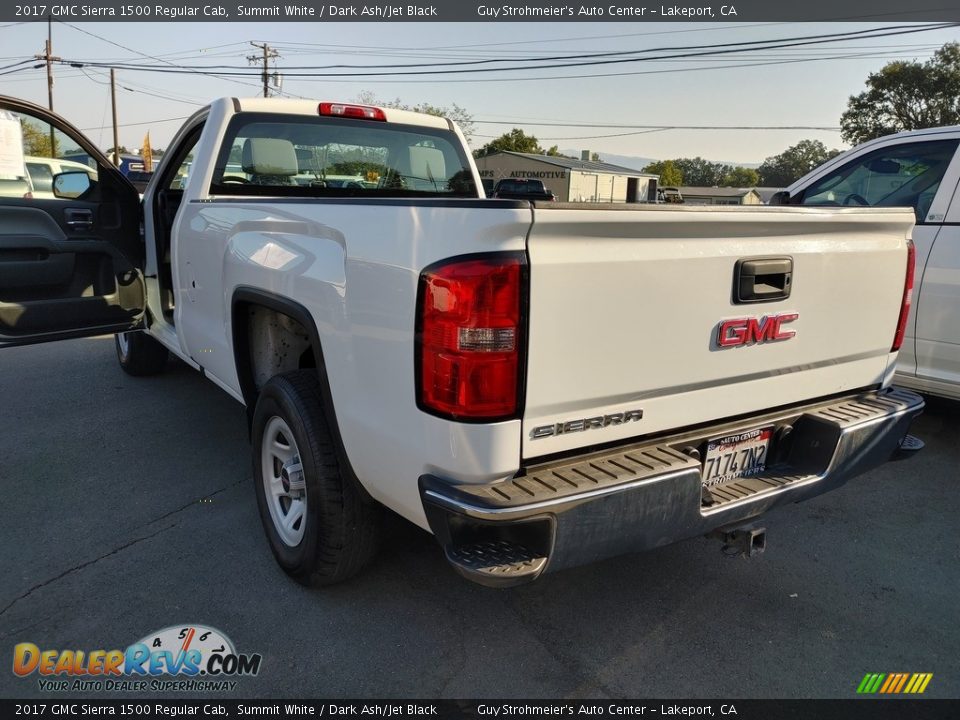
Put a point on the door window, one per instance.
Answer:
(902, 175)
(32, 151)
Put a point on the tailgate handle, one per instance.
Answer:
(762, 280)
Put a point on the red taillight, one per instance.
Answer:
(470, 337)
(358, 112)
(907, 297)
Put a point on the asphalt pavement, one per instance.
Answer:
(128, 506)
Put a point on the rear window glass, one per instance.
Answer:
(41, 175)
(302, 156)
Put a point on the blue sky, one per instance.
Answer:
(664, 93)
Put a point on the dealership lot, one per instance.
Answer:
(128, 507)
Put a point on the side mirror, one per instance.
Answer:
(71, 185)
(780, 198)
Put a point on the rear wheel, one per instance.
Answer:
(321, 528)
(139, 354)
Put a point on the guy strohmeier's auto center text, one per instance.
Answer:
(611, 11)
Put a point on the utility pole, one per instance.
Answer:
(113, 102)
(268, 53)
(49, 58)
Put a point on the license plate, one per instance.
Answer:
(736, 456)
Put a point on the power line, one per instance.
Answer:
(728, 65)
(633, 73)
(662, 126)
(151, 57)
(135, 124)
(142, 91)
(17, 64)
(605, 58)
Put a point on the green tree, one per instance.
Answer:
(514, 141)
(36, 140)
(741, 177)
(454, 112)
(906, 96)
(793, 163)
(555, 152)
(670, 175)
(701, 173)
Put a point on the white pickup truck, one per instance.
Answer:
(539, 387)
(918, 169)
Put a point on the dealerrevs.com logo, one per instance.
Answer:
(182, 658)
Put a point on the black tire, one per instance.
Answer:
(139, 354)
(340, 525)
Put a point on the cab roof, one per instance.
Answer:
(289, 106)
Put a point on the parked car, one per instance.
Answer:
(140, 179)
(522, 189)
(42, 170)
(919, 169)
(669, 195)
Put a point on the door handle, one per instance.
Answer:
(762, 279)
(78, 218)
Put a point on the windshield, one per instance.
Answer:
(267, 155)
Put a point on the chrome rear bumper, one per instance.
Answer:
(579, 510)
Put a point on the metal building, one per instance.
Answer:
(720, 196)
(572, 180)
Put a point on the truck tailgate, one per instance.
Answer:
(626, 305)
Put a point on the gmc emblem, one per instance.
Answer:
(746, 331)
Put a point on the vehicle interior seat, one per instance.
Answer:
(270, 161)
(426, 168)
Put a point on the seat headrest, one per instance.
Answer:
(269, 156)
(427, 163)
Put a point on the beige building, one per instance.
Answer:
(720, 196)
(571, 180)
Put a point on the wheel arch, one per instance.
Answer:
(243, 299)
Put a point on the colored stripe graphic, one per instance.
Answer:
(870, 683)
(894, 683)
(903, 680)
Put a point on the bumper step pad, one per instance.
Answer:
(746, 487)
(496, 562)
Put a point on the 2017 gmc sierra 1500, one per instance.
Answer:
(539, 387)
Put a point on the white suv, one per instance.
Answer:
(43, 169)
